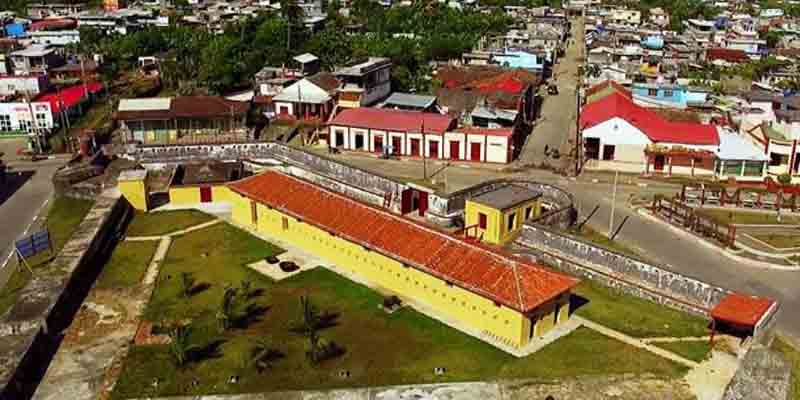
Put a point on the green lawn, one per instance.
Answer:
(163, 222)
(792, 354)
(63, 217)
(381, 349)
(780, 241)
(600, 239)
(695, 350)
(747, 217)
(127, 265)
(634, 316)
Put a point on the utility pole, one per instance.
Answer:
(613, 205)
(424, 156)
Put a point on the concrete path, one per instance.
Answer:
(676, 339)
(85, 372)
(635, 342)
(710, 379)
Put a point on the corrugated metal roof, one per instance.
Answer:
(410, 100)
(160, 103)
(485, 271)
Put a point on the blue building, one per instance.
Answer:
(668, 95)
(521, 59)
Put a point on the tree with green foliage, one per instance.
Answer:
(181, 346)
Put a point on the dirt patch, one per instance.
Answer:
(102, 314)
(625, 387)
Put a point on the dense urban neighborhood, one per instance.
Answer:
(378, 199)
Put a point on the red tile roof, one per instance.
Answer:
(393, 120)
(69, 97)
(729, 55)
(53, 24)
(613, 84)
(651, 124)
(741, 309)
(494, 275)
(475, 130)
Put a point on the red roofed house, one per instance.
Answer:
(620, 135)
(400, 132)
(734, 56)
(483, 291)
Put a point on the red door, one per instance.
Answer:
(423, 203)
(433, 149)
(379, 144)
(205, 194)
(415, 147)
(396, 145)
(658, 163)
(406, 200)
(455, 148)
(475, 151)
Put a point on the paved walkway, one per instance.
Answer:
(87, 370)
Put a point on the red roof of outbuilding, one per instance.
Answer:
(70, 96)
(741, 309)
(53, 24)
(651, 124)
(393, 120)
(487, 272)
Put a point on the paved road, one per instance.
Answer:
(557, 122)
(28, 187)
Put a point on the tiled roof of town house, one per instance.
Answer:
(488, 272)
(188, 107)
(69, 97)
(613, 86)
(729, 55)
(393, 120)
(741, 309)
(651, 124)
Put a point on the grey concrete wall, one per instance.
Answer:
(619, 271)
(762, 375)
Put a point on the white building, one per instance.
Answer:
(29, 85)
(30, 118)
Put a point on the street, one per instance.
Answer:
(28, 187)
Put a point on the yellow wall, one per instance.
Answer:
(480, 314)
(497, 231)
(135, 192)
(184, 195)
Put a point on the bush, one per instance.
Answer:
(785, 179)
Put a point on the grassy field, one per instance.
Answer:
(63, 217)
(381, 349)
(695, 350)
(792, 355)
(634, 316)
(747, 217)
(780, 241)
(128, 263)
(600, 239)
(163, 222)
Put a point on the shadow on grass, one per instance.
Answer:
(576, 302)
(207, 352)
(328, 320)
(252, 313)
(199, 288)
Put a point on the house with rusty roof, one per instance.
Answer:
(483, 291)
(182, 120)
(310, 98)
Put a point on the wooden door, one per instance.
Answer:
(415, 147)
(433, 149)
(397, 145)
(455, 149)
(378, 144)
(423, 203)
(205, 194)
(475, 151)
(406, 201)
(658, 162)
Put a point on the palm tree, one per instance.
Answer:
(262, 355)
(180, 346)
(227, 311)
(309, 326)
(187, 284)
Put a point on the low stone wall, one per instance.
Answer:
(619, 271)
(762, 375)
(29, 331)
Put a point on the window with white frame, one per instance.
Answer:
(5, 123)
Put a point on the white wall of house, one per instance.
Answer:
(17, 116)
(497, 149)
(617, 131)
(451, 137)
(477, 139)
(373, 134)
(284, 108)
(435, 142)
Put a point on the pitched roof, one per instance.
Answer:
(393, 120)
(741, 309)
(487, 272)
(303, 91)
(69, 97)
(179, 107)
(729, 55)
(658, 129)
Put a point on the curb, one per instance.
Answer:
(726, 253)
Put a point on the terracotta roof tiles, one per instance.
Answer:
(486, 271)
(741, 309)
